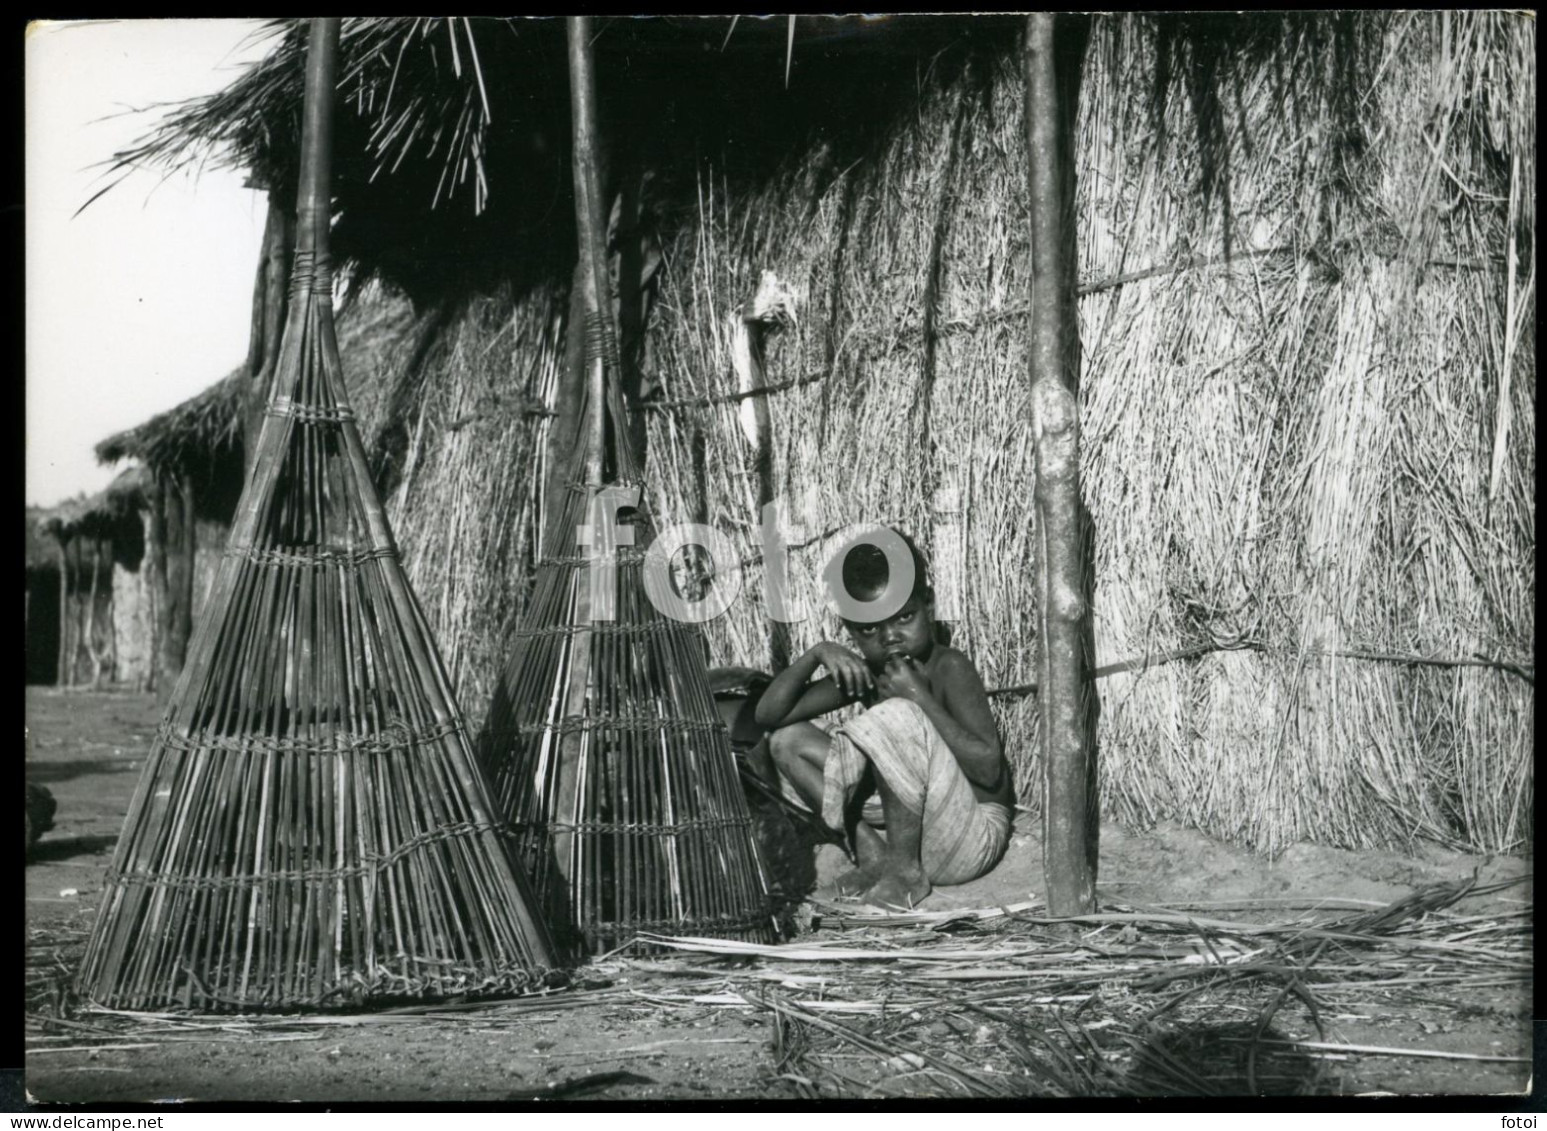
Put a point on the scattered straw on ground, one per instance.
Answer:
(998, 1002)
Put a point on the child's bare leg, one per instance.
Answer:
(869, 852)
(760, 762)
(800, 752)
(902, 882)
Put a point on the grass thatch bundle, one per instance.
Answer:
(310, 828)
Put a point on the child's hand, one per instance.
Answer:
(901, 679)
(849, 672)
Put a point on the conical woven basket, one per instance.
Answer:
(603, 744)
(311, 828)
(608, 757)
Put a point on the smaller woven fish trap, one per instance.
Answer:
(602, 744)
(311, 828)
(607, 756)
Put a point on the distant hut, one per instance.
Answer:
(41, 577)
(1307, 263)
(190, 478)
(191, 475)
(87, 622)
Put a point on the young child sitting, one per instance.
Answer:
(923, 764)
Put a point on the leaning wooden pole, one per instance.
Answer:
(602, 742)
(590, 274)
(591, 239)
(1068, 747)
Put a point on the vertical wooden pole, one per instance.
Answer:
(567, 430)
(91, 615)
(591, 275)
(314, 203)
(270, 302)
(633, 292)
(110, 649)
(155, 581)
(177, 503)
(62, 676)
(1068, 747)
(591, 232)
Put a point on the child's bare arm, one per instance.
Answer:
(958, 706)
(792, 698)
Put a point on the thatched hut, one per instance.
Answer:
(87, 620)
(189, 478)
(1307, 252)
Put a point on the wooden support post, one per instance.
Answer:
(62, 677)
(591, 275)
(177, 606)
(591, 234)
(567, 431)
(270, 304)
(1066, 737)
(633, 296)
(155, 582)
(90, 633)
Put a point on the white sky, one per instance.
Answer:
(143, 299)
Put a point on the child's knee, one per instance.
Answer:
(901, 708)
(785, 745)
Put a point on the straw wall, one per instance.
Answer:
(1306, 464)
(133, 624)
(1288, 457)
(452, 405)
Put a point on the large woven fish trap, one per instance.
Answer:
(311, 829)
(607, 756)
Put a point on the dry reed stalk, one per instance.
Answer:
(1126, 1002)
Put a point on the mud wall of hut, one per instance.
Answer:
(133, 626)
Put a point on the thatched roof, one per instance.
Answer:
(1307, 249)
(202, 437)
(452, 163)
(40, 551)
(110, 515)
(452, 153)
(194, 434)
(98, 515)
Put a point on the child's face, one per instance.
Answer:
(910, 631)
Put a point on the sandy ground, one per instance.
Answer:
(611, 1037)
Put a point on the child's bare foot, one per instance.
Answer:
(901, 890)
(856, 881)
